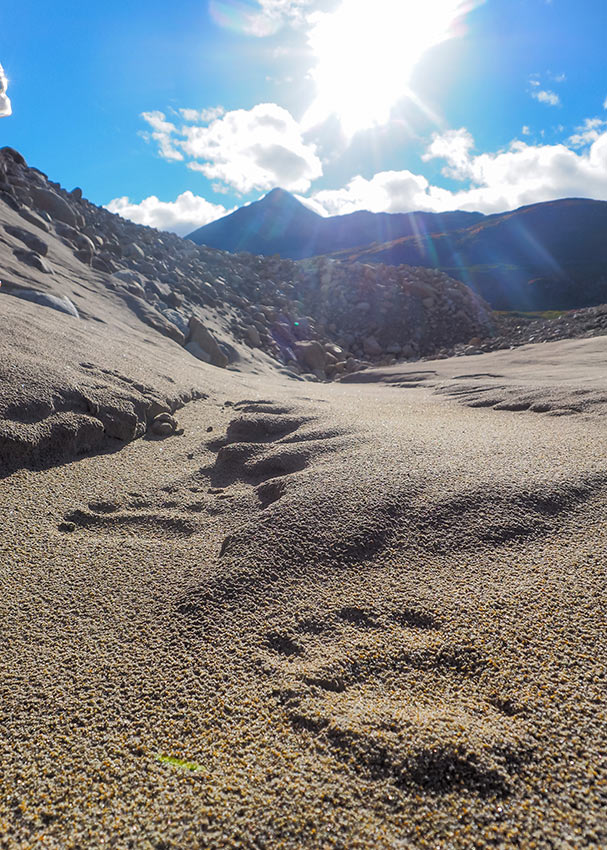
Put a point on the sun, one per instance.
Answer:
(366, 51)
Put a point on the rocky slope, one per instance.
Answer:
(547, 256)
(132, 296)
(279, 306)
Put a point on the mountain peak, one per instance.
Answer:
(280, 197)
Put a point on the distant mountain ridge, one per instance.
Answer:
(551, 255)
(280, 224)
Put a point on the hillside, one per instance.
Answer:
(548, 256)
(280, 224)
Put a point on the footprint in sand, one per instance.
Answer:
(265, 445)
(384, 691)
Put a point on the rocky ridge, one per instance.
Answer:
(317, 318)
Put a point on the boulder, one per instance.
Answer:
(12, 154)
(55, 206)
(153, 318)
(33, 242)
(310, 354)
(253, 336)
(371, 347)
(205, 340)
(32, 259)
(31, 217)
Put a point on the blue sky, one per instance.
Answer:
(175, 113)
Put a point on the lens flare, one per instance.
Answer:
(366, 53)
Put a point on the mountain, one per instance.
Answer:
(544, 256)
(280, 224)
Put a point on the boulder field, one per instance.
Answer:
(319, 316)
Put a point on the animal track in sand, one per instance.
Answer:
(388, 693)
(128, 523)
(263, 446)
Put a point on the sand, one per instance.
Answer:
(367, 614)
(348, 615)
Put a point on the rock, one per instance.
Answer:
(163, 425)
(133, 251)
(15, 156)
(160, 290)
(102, 264)
(197, 351)
(55, 205)
(371, 347)
(76, 193)
(32, 259)
(175, 299)
(207, 342)
(33, 242)
(153, 318)
(176, 318)
(31, 217)
(310, 354)
(253, 336)
(46, 299)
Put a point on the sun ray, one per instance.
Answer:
(366, 53)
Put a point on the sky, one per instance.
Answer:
(173, 114)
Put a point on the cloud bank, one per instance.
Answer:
(5, 103)
(181, 216)
(519, 175)
(243, 150)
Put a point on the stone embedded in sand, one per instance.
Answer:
(33, 242)
(32, 259)
(163, 425)
(205, 341)
(153, 317)
(46, 299)
(33, 218)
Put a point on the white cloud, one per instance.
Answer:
(590, 131)
(258, 148)
(454, 146)
(204, 115)
(525, 130)
(181, 216)
(546, 96)
(162, 131)
(266, 19)
(605, 103)
(521, 174)
(5, 103)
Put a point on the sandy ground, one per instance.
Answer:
(366, 615)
